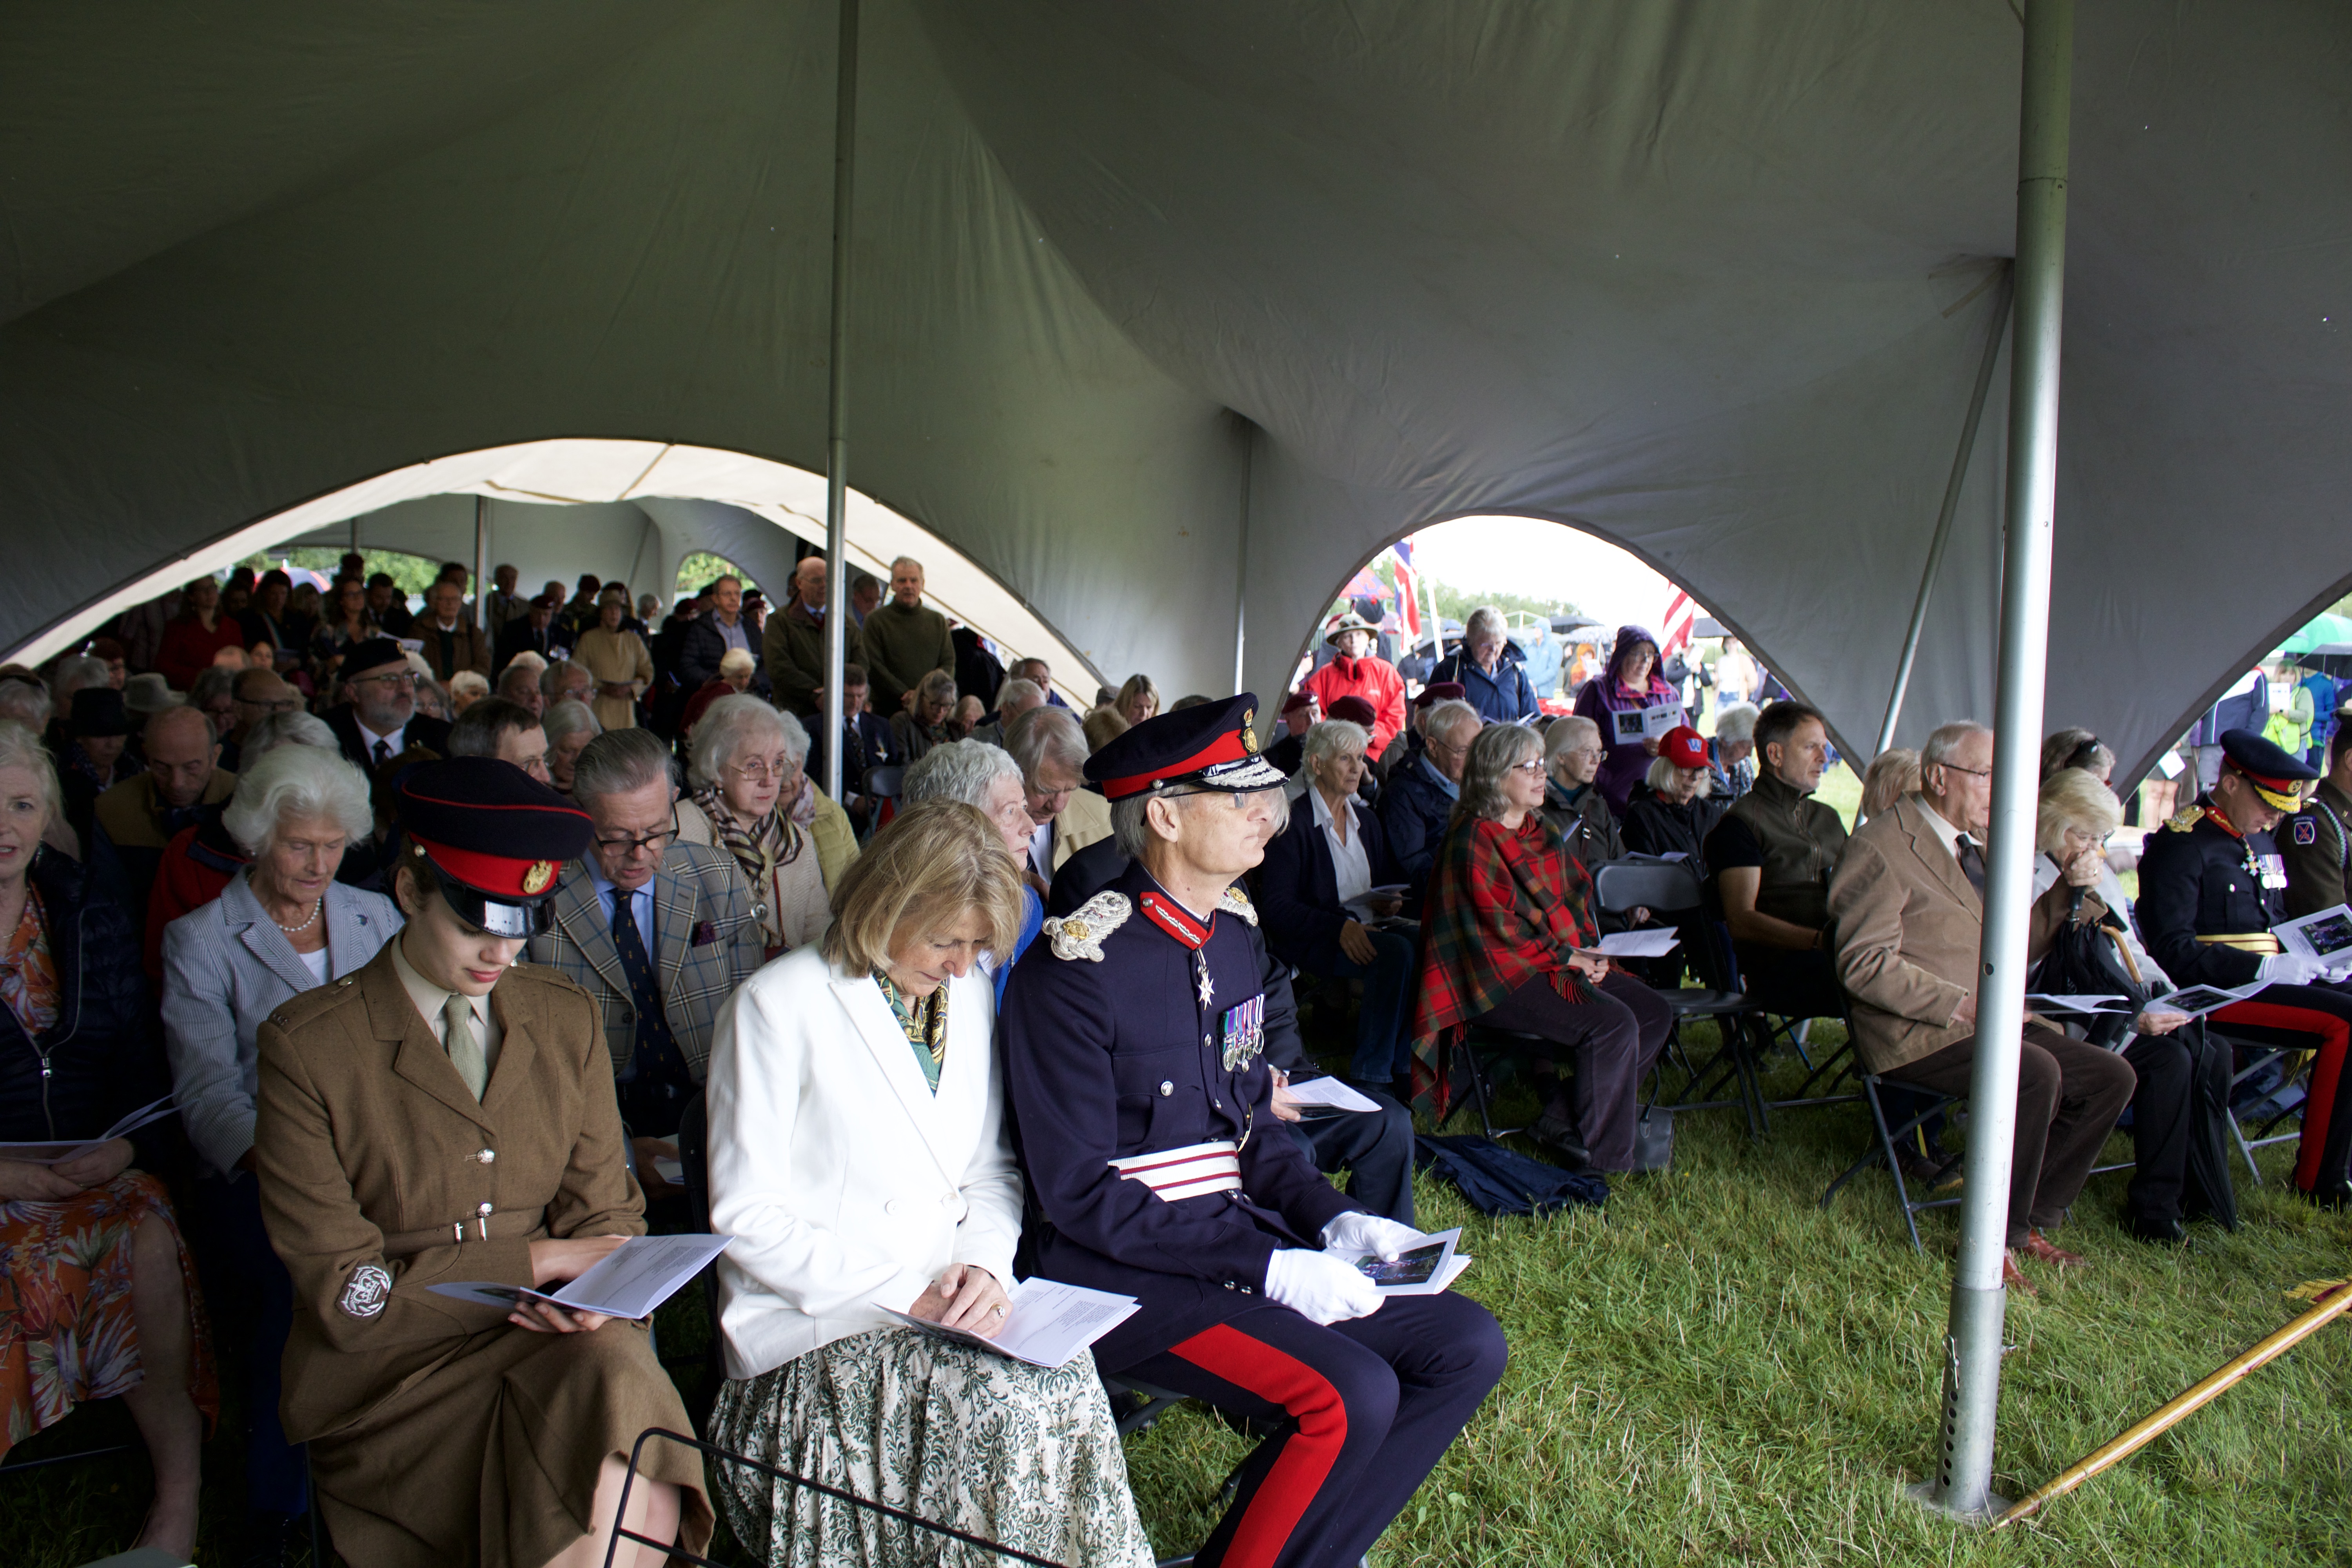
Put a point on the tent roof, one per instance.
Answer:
(1179, 309)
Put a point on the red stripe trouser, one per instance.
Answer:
(1362, 1409)
(2314, 1017)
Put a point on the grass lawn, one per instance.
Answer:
(1712, 1370)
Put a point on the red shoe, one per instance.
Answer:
(2012, 1280)
(2042, 1249)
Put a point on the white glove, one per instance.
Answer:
(1319, 1287)
(2293, 969)
(1370, 1233)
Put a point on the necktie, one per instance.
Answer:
(1972, 865)
(383, 751)
(465, 1047)
(654, 1086)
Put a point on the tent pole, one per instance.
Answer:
(1240, 559)
(836, 433)
(1962, 1485)
(1944, 518)
(482, 564)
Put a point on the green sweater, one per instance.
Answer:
(899, 647)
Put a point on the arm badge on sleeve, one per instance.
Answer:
(367, 1291)
(1080, 934)
(2305, 830)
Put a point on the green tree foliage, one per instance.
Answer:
(696, 570)
(1453, 603)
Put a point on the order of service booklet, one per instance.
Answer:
(629, 1282)
(1049, 1324)
(59, 1154)
(1423, 1270)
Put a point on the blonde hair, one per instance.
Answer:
(935, 861)
(1140, 685)
(2073, 797)
(1893, 774)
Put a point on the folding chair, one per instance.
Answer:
(1884, 1152)
(1669, 888)
(1512, 1042)
(2258, 1055)
(883, 787)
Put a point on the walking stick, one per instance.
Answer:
(2332, 1305)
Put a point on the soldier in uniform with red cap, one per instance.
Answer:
(1134, 1072)
(442, 1116)
(2211, 886)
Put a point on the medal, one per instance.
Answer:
(1245, 1034)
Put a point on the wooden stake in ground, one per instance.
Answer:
(2141, 1433)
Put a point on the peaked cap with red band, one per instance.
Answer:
(1210, 745)
(2272, 769)
(491, 828)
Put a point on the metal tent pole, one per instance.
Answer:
(482, 564)
(836, 436)
(1240, 560)
(1963, 1479)
(1944, 518)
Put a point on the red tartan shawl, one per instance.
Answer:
(1501, 909)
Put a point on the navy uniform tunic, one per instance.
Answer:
(1133, 1031)
(2198, 881)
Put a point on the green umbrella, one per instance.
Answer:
(2323, 630)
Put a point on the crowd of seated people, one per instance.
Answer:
(330, 994)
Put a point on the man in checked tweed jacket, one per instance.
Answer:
(660, 932)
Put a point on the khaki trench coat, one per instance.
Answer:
(441, 1434)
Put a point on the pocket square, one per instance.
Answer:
(705, 934)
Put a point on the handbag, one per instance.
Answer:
(1654, 1138)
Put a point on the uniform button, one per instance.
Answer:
(947, 1200)
(1229, 1284)
(485, 1155)
(1166, 1089)
(1218, 1103)
(1204, 1039)
(893, 1206)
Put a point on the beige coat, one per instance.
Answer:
(614, 657)
(1084, 819)
(1905, 928)
(440, 1434)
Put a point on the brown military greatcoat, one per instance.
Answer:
(441, 1434)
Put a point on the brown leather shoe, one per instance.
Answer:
(2042, 1249)
(2012, 1280)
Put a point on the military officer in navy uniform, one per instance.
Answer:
(2211, 886)
(1135, 1075)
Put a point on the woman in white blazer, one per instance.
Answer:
(280, 927)
(859, 1159)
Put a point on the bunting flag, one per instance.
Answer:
(1676, 628)
(1408, 589)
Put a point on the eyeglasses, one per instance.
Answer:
(1532, 766)
(652, 842)
(398, 682)
(759, 771)
(1582, 752)
(1975, 772)
(283, 705)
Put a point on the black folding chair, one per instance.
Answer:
(1669, 888)
(1883, 1152)
(2258, 1055)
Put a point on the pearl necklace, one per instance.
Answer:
(306, 925)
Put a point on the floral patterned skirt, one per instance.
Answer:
(67, 1333)
(994, 1447)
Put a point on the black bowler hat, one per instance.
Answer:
(2272, 769)
(494, 838)
(98, 713)
(373, 654)
(1211, 745)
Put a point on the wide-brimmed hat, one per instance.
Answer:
(1350, 622)
(150, 693)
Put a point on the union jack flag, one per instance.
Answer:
(1408, 589)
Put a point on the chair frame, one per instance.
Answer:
(1883, 1152)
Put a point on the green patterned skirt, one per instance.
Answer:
(994, 1447)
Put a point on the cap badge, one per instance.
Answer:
(1249, 731)
(540, 874)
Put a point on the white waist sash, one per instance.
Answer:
(1194, 1171)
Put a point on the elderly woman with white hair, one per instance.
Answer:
(280, 927)
(986, 776)
(2183, 1077)
(1493, 680)
(747, 764)
(568, 724)
(1573, 804)
(1732, 750)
